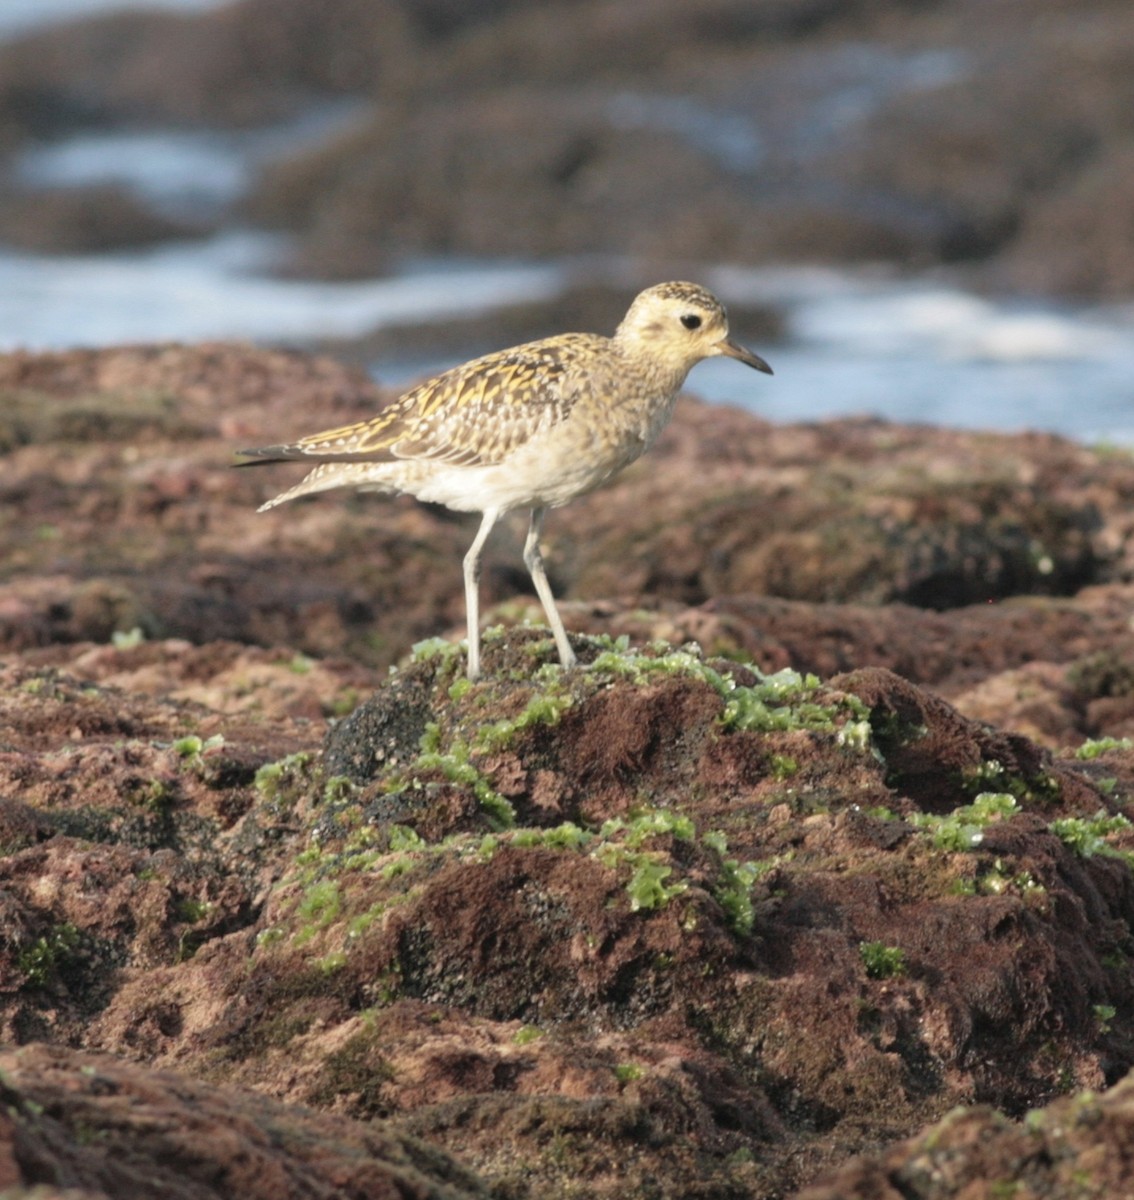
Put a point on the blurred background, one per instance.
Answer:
(921, 209)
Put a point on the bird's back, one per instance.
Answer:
(474, 414)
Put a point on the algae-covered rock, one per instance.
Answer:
(762, 884)
(704, 923)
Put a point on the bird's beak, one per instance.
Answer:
(729, 347)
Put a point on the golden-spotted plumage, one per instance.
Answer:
(531, 427)
(472, 415)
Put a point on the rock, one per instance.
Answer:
(763, 157)
(129, 526)
(806, 131)
(215, 68)
(715, 927)
(1074, 1143)
(112, 449)
(82, 220)
(1076, 241)
(929, 533)
(1026, 665)
(91, 1126)
(670, 918)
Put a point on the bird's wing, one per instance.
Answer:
(472, 415)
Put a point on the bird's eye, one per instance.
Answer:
(691, 321)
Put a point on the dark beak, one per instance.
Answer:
(726, 346)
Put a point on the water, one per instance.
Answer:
(20, 16)
(930, 352)
(184, 174)
(223, 289)
(857, 342)
(907, 351)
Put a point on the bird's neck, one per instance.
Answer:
(662, 375)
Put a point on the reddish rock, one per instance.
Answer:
(83, 220)
(90, 1126)
(1079, 240)
(657, 919)
(472, 984)
(1074, 1147)
(121, 449)
(443, 978)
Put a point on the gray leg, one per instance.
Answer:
(472, 589)
(533, 560)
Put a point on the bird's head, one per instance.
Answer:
(680, 324)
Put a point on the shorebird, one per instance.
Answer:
(532, 427)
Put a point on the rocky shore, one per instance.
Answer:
(991, 138)
(814, 881)
(827, 839)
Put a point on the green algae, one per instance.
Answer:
(456, 768)
(318, 909)
(882, 961)
(284, 779)
(1094, 747)
(41, 960)
(993, 774)
(643, 847)
(1087, 835)
(784, 701)
(963, 828)
(545, 709)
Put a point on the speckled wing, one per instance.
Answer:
(472, 415)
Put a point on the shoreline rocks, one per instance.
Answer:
(770, 882)
(911, 134)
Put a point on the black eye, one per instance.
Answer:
(691, 321)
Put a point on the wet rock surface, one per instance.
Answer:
(659, 913)
(702, 921)
(82, 220)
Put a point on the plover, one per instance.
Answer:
(532, 427)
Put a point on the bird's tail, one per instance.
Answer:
(332, 475)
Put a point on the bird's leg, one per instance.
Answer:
(472, 589)
(533, 560)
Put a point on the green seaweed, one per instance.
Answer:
(963, 828)
(1087, 835)
(1094, 747)
(278, 780)
(41, 960)
(546, 709)
(882, 961)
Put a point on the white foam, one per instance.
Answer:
(870, 316)
(190, 168)
(866, 343)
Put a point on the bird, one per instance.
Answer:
(531, 427)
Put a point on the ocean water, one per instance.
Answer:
(224, 289)
(186, 174)
(856, 342)
(928, 351)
